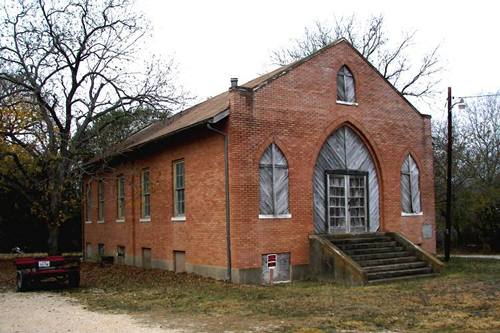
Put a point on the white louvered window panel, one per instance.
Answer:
(345, 86)
(410, 191)
(273, 179)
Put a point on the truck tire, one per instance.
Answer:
(21, 282)
(74, 280)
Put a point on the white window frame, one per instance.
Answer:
(120, 199)
(145, 193)
(88, 202)
(100, 201)
(273, 166)
(281, 216)
(179, 216)
(411, 176)
(345, 102)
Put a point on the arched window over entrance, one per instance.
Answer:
(345, 188)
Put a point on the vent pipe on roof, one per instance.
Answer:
(234, 82)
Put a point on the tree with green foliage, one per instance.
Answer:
(71, 68)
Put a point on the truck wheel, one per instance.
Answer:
(22, 282)
(74, 280)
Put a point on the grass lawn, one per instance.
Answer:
(466, 298)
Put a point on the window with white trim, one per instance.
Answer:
(179, 181)
(145, 195)
(273, 178)
(345, 86)
(88, 202)
(100, 202)
(120, 197)
(410, 191)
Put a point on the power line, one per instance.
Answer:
(476, 96)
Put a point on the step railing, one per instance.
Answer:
(327, 261)
(436, 264)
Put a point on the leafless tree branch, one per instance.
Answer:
(391, 58)
(73, 62)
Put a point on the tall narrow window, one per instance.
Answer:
(120, 197)
(179, 198)
(273, 182)
(410, 192)
(88, 202)
(345, 86)
(145, 195)
(100, 203)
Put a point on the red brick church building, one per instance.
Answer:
(323, 146)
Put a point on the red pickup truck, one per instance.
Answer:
(31, 271)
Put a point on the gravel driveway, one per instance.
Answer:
(43, 312)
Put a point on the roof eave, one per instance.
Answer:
(212, 120)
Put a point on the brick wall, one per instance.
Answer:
(201, 235)
(298, 111)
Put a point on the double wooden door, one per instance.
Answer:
(347, 204)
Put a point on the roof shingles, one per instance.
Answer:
(208, 109)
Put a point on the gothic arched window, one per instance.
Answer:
(410, 192)
(273, 172)
(345, 86)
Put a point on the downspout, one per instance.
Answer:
(83, 216)
(226, 186)
(132, 193)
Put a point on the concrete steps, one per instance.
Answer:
(387, 261)
(385, 255)
(374, 250)
(402, 278)
(361, 239)
(355, 246)
(395, 267)
(399, 272)
(381, 257)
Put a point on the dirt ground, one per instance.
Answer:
(464, 298)
(44, 312)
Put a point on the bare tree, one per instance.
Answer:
(476, 171)
(481, 131)
(70, 63)
(391, 58)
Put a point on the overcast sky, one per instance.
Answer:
(212, 41)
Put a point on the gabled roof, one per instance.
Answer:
(217, 107)
(195, 115)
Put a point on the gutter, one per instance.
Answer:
(135, 146)
(226, 186)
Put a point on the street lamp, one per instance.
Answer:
(447, 231)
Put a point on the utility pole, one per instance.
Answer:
(447, 231)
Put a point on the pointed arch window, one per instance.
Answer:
(345, 86)
(410, 191)
(273, 178)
